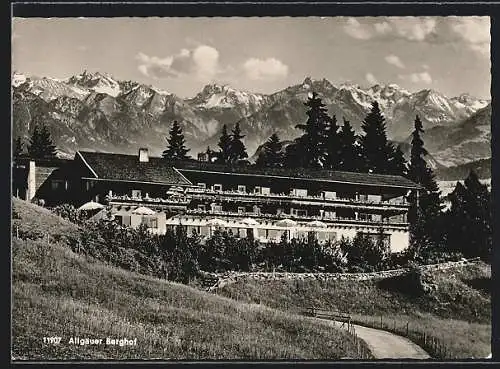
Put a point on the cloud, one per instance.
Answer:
(201, 62)
(265, 69)
(82, 48)
(370, 78)
(474, 31)
(422, 77)
(394, 60)
(357, 30)
(413, 28)
(382, 28)
(409, 28)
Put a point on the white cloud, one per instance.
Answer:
(370, 78)
(475, 31)
(413, 28)
(410, 28)
(422, 77)
(382, 27)
(394, 60)
(357, 30)
(206, 60)
(265, 69)
(201, 62)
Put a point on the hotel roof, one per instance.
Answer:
(128, 168)
(157, 170)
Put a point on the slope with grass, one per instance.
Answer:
(457, 310)
(59, 293)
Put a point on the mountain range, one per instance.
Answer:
(94, 111)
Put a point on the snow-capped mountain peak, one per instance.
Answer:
(98, 82)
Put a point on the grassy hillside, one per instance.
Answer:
(458, 312)
(59, 293)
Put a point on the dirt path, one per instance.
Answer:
(386, 345)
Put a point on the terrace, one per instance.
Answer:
(204, 193)
(386, 222)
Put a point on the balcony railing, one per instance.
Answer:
(307, 218)
(246, 196)
(148, 200)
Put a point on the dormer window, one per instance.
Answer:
(136, 194)
(217, 187)
(242, 188)
(202, 185)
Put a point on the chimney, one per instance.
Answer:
(143, 155)
(31, 180)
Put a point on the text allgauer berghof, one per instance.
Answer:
(109, 341)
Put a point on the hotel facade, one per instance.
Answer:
(266, 203)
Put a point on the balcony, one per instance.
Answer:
(299, 200)
(172, 202)
(275, 217)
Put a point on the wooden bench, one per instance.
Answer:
(328, 314)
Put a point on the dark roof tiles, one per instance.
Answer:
(121, 167)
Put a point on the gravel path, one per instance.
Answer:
(386, 345)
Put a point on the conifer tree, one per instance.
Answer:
(349, 151)
(375, 148)
(271, 154)
(41, 145)
(18, 147)
(313, 140)
(224, 144)
(333, 145)
(237, 150)
(425, 214)
(397, 162)
(176, 149)
(295, 156)
(469, 220)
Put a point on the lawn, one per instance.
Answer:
(457, 313)
(59, 293)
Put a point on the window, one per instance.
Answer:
(150, 222)
(202, 185)
(299, 212)
(58, 184)
(256, 209)
(329, 195)
(256, 189)
(265, 190)
(136, 193)
(241, 210)
(217, 208)
(242, 188)
(364, 216)
(201, 207)
(299, 192)
(217, 187)
(329, 215)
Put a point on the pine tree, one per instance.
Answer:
(313, 140)
(18, 147)
(41, 145)
(470, 218)
(176, 149)
(333, 145)
(349, 150)
(223, 155)
(425, 213)
(237, 150)
(271, 154)
(375, 148)
(397, 162)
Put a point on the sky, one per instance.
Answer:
(262, 54)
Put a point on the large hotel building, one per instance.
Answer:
(202, 196)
